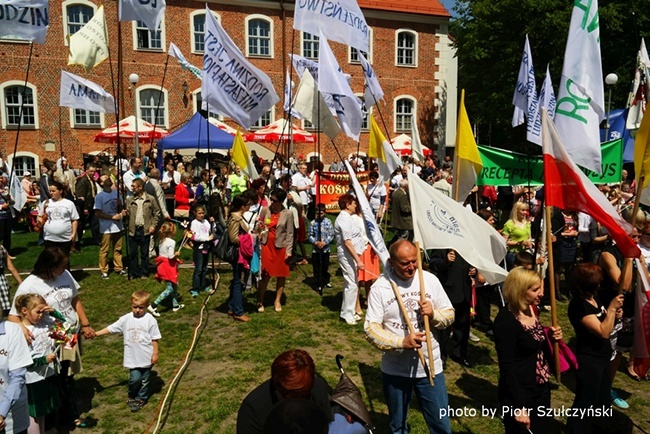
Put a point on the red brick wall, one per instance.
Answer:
(49, 59)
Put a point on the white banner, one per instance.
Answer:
(24, 19)
(176, 53)
(372, 89)
(230, 83)
(341, 21)
(417, 151)
(581, 97)
(89, 46)
(288, 89)
(546, 100)
(310, 103)
(79, 93)
(520, 97)
(17, 193)
(150, 12)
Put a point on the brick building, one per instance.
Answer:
(409, 49)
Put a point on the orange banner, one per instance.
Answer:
(331, 185)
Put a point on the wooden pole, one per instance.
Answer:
(427, 327)
(402, 309)
(551, 272)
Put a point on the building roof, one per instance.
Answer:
(420, 7)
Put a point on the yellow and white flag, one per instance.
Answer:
(242, 157)
(89, 46)
(379, 148)
(469, 162)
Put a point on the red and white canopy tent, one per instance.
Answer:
(223, 126)
(280, 131)
(402, 145)
(146, 131)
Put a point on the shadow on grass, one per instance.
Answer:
(371, 378)
(80, 275)
(332, 301)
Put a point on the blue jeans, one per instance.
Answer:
(398, 392)
(235, 300)
(139, 383)
(199, 282)
(139, 241)
(170, 290)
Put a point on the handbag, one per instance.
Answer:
(255, 262)
(225, 250)
(568, 360)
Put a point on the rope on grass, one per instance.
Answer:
(180, 370)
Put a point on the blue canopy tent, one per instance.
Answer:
(194, 135)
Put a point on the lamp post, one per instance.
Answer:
(133, 79)
(610, 80)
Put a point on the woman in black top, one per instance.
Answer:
(593, 325)
(522, 349)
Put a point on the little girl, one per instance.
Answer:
(201, 235)
(5, 299)
(167, 268)
(42, 385)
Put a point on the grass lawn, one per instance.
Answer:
(233, 358)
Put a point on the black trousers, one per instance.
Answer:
(459, 341)
(320, 263)
(483, 298)
(593, 385)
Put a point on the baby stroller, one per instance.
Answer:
(351, 415)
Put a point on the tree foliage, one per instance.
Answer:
(489, 38)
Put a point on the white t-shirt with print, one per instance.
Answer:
(14, 354)
(138, 336)
(60, 215)
(41, 345)
(58, 294)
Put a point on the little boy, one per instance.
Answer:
(321, 234)
(141, 335)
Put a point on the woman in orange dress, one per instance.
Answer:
(277, 241)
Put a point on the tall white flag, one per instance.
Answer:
(439, 222)
(332, 80)
(417, 151)
(24, 19)
(546, 100)
(373, 232)
(231, 84)
(79, 93)
(17, 193)
(342, 21)
(288, 89)
(176, 53)
(310, 103)
(522, 94)
(638, 95)
(581, 97)
(150, 12)
(372, 89)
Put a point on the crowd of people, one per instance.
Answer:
(266, 223)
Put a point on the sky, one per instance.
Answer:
(449, 5)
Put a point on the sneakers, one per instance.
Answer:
(104, 276)
(177, 308)
(350, 322)
(328, 285)
(617, 401)
(135, 405)
(473, 337)
(122, 273)
(153, 311)
(194, 294)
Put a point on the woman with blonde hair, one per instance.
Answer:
(523, 353)
(517, 233)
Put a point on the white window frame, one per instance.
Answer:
(413, 115)
(370, 50)
(64, 10)
(246, 35)
(163, 39)
(101, 124)
(306, 127)
(272, 119)
(313, 41)
(313, 154)
(3, 109)
(165, 106)
(36, 174)
(196, 108)
(194, 14)
(415, 48)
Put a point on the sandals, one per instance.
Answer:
(80, 423)
(632, 374)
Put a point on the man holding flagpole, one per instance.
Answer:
(385, 327)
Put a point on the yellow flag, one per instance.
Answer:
(376, 140)
(242, 157)
(642, 153)
(465, 142)
(89, 46)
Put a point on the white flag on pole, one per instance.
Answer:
(373, 232)
(176, 53)
(439, 222)
(581, 97)
(288, 88)
(89, 46)
(417, 151)
(342, 21)
(24, 19)
(546, 100)
(310, 103)
(372, 89)
(150, 12)
(231, 84)
(522, 91)
(17, 193)
(79, 93)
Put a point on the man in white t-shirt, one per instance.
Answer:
(133, 173)
(302, 184)
(402, 371)
(109, 211)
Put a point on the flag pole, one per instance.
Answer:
(427, 327)
(551, 273)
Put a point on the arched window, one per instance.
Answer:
(152, 104)
(405, 110)
(406, 48)
(76, 13)
(198, 101)
(259, 31)
(24, 162)
(197, 30)
(14, 95)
